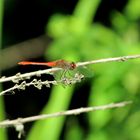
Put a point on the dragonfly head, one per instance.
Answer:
(72, 65)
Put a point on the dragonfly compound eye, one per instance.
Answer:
(73, 66)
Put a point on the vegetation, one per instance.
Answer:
(78, 38)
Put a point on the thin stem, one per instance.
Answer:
(48, 71)
(18, 121)
(121, 59)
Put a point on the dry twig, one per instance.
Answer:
(39, 83)
(48, 71)
(21, 121)
(18, 77)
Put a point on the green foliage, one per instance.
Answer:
(51, 127)
(2, 113)
(77, 39)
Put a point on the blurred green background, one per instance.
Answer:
(93, 30)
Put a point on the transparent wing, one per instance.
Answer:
(86, 71)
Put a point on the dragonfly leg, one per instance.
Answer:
(69, 73)
(63, 75)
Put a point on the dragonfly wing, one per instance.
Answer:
(58, 75)
(86, 71)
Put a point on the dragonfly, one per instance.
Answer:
(67, 67)
(58, 63)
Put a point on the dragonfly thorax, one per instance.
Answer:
(65, 65)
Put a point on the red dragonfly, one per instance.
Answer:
(76, 72)
(65, 65)
(59, 64)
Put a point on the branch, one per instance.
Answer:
(23, 85)
(121, 59)
(49, 71)
(19, 76)
(21, 121)
(39, 83)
